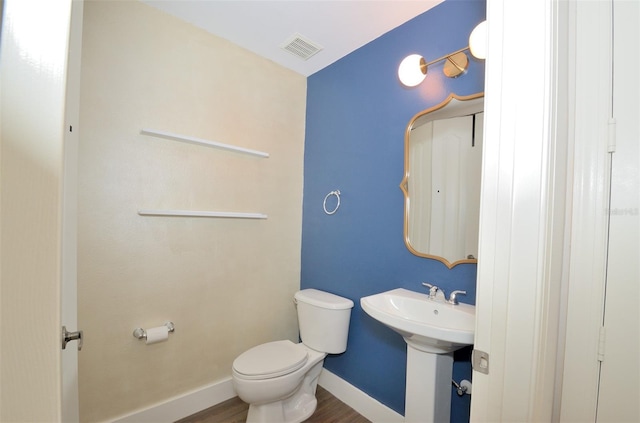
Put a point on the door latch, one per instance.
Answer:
(71, 336)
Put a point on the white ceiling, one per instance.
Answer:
(262, 26)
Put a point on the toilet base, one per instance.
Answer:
(278, 412)
(294, 409)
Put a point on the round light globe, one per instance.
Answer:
(478, 41)
(410, 70)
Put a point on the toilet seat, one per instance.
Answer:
(270, 360)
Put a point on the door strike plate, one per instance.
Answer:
(480, 361)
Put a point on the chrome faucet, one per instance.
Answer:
(435, 293)
(453, 297)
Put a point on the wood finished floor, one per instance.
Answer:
(330, 410)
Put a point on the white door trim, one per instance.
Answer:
(69, 296)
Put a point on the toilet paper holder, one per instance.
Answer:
(140, 333)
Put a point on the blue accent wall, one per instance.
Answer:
(357, 112)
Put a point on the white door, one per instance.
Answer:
(522, 211)
(33, 56)
(521, 316)
(619, 387)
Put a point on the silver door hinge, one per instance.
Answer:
(611, 136)
(602, 338)
(480, 361)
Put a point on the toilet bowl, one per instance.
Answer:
(271, 396)
(279, 379)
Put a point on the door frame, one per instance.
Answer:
(69, 297)
(587, 264)
(591, 267)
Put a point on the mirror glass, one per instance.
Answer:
(441, 185)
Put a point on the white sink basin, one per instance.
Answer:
(433, 326)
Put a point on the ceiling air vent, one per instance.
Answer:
(301, 47)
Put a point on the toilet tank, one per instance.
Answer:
(323, 319)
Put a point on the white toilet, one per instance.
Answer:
(279, 379)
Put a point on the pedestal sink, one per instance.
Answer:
(433, 330)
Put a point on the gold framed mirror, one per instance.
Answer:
(441, 184)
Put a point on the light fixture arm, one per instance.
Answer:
(447, 57)
(413, 69)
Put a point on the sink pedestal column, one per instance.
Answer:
(428, 391)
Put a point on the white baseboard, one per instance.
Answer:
(183, 405)
(197, 400)
(368, 407)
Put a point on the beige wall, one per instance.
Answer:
(227, 284)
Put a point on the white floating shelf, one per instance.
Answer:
(194, 213)
(199, 141)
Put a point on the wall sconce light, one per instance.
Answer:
(413, 68)
(478, 41)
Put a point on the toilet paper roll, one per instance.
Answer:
(159, 334)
